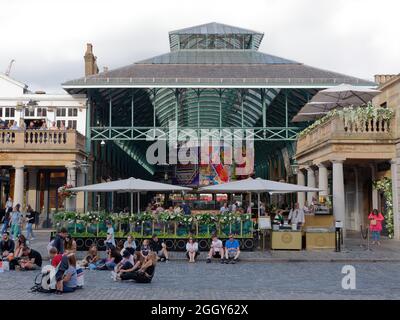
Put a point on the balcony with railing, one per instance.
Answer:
(41, 140)
(345, 127)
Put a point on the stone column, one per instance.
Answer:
(301, 196)
(19, 186)
(311, 184)
(338, 192)
(32, 189)
(323, 180)
(395, 200)
(70, 204)
(374, 191)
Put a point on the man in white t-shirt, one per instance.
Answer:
(216, 250)
(296, 216)
(224, 208)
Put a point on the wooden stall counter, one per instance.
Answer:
(320, 232)
(286, 240)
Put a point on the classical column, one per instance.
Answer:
(323, 180)
(70, 204)
(395, 200)
(338, 192)
(311, 184)
(19, 186)
(32, 189)
(374, 191)
(301, 196)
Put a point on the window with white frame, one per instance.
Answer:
(67, 116)
(9, 112)
(41, 112)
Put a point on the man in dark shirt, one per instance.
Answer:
(58, 242)
(31, 259)
(159, 248)
(6, 245)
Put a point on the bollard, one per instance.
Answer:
(338, 236)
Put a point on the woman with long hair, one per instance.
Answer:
(92, 258)
(69, 245)
(375, 225)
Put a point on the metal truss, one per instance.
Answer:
(172, 133)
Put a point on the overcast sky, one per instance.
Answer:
(47, 38)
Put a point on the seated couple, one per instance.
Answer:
(66, 273)
(228, 254)
(140, 268)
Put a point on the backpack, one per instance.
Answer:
(45, 281)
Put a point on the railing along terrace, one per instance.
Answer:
(37, 139)
(342, 126)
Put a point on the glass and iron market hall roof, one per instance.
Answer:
(214, 55)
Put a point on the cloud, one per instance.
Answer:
(47, 38)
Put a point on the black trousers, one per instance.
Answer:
(138, 277)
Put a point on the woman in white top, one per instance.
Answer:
(192, 250)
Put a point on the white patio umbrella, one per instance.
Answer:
(258, 186)
(340, 96)
(346, 94)
(130, 185)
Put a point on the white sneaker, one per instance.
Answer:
(114, 275)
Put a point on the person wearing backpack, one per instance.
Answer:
(59, 240)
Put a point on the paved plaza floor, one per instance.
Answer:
(260, 275)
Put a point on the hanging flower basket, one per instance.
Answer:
(65, 191)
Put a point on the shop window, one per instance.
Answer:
(72, 124)
(10, 113)
(61, 112)
(72, 112)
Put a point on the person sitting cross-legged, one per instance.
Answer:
(232, 249)
(31, 259)
(7, 246)
(216, 250)
(146, 271)
(128, 264)
(159, 248)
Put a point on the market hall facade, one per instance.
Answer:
(215, 77)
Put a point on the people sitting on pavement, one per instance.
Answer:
(62, 267)
(69, 245)
(110, 241)
(20, 243)
(159, 248)
(129, 245)
(216, 250)
(109, 263)
(70, 276)
(55, 257)
(192, 250)
(31, 259)
(92, 258)
(7, 247)
(125, 265)
(232, 250)
(145, 248)
(146, 271)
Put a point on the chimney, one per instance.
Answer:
(90, 61)
(382, 78)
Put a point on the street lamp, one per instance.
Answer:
(84, 166)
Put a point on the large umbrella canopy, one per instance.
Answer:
(130, 185)
(258, 186)
(346, 94)
(341, 96)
